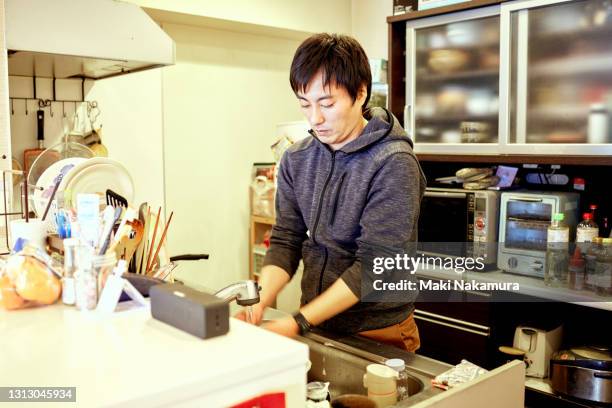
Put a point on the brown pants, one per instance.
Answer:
(404, 335)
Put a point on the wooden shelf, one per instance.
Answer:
(517, 159)
(263, 220)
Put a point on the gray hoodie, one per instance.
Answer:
(334, 207)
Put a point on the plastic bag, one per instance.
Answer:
(29, 278)
(459, 374)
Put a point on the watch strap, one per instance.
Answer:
(303, 325)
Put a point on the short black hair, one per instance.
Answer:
(341, 59)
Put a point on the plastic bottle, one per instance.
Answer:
(576, 271)
(557, 257)
(603, 269)
(590, 263)
(587, 229)
(402, 380)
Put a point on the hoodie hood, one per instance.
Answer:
(381, 124)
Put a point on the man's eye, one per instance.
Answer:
(327, 106)
(305, 106)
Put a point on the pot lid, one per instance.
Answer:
(593, 353)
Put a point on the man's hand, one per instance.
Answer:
(256, 316)
(286, 327)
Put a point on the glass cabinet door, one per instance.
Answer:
(560, 79)
(453, 80)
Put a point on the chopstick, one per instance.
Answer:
(57, 183)
(145, 248)
(161, 240)
(148, 264)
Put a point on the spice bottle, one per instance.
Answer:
(603, 269)
(576, 270)
(590, 257)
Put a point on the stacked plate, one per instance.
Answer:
(94, 175)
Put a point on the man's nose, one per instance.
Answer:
(316, 117)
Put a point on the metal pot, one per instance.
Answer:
(583, 372)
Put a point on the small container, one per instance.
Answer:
(399, 365)
(603, 269)
(103, 266)
(68, 283)
(576, 271)
(598, 125)
(86, 280)
(557, 256)
(318, 392)
(587, 229)
(590, 273)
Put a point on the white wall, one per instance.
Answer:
(369, 25)
(132, 118)
(301, 15)
(221, 103)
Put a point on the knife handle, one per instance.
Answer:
(40, 118)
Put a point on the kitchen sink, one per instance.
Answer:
(343, 366)
(342, 361)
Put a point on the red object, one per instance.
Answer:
(579, 183)
(577, 260)
(587, 216)
(273, 400)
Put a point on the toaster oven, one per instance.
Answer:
(524, 220)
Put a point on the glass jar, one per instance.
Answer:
(603, 269)
(103, 266)
(590, 260)
(86, 279)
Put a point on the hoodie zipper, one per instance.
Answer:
(317, 218)
(336, 200)
(320, 206)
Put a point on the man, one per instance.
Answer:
(353, 188)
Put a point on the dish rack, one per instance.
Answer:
(7, 214)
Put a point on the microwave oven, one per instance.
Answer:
(523, 226)
(459, 223)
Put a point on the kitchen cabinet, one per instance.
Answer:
(527, 77)
(130, 359)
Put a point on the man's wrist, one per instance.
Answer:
(304, 325)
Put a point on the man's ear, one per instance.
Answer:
(361, 95)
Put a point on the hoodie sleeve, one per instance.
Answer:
(289, 232)
(389, 220)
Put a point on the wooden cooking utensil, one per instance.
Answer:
(161, 242)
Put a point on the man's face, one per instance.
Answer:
(331, 112)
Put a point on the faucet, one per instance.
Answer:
(246, 293)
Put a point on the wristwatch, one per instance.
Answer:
(303, 325)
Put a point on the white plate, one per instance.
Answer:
(81, 166)
(97, 178)
(46, 182)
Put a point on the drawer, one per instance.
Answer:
(451, 342)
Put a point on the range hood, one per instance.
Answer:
(82, 39)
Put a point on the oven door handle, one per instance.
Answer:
(533, 200)
(444, 194)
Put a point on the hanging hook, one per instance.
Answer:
(12, 107)
(50, 108)
(63, 109)
(26, 106)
